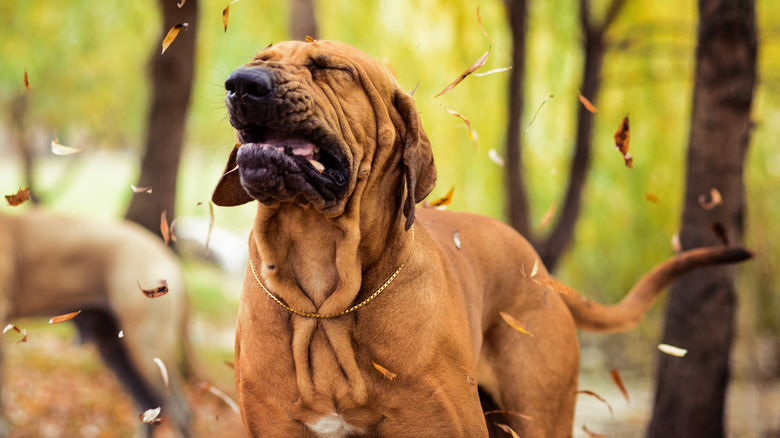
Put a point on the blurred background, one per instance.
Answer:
(88, 67)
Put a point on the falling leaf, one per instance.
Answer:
(172, 34)
(472, 133)
(151, 416)
(672, 350)
(58, 149)
(22, 195)
(494, 71)
(309, 39)
(547, 216)
(163, 370)
(385, 372)
(537, 112)
(715, 200)
(160, 289)
(181, 3)
(479, 63)
(494, 157)
(622, 137)
(225, 398)
(444, 200)
(593, 434)
(586, 103)
(141, 189)
(676, 245)
(515, 323)
(652, 198)
(599, 398)
(508, 430)
(479, 22)
(619, 383)
(720, 231)
(556, 286)
(411, 93)
(456, 239)
(225, 13)
(63, 318)
(23, 332)
(211, 227)
(26, 80)
(165, 230)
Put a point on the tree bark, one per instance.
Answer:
(303, 21)
(171, 76)
(700, 314)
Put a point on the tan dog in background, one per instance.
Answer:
(52, 265)
(358, 318)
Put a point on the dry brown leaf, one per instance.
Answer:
(587, 104)
(163, 371)
(508, 430)
(477, 64)
(456, 239)
(715, 200)
(652, 198)
(26, 80)
(622, 137)
(537, 112)
(479, 22)
(720, 230)
(547, 216)
(444, 200)
(472, 133)
(556, 286)
(172, 34)
(385, 372)
(309, 39)
(59, 149)
(593, 434)
(151, 416)
(160, 289)
(225, 13)
(22, 195)
(164, 228)
(63, 318)
(619, 383)
(515, 323)
(21, 331)
(599, 398)
(671, 350)
(141, 189)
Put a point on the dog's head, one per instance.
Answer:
(312, 118)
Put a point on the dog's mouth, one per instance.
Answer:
(275, 165)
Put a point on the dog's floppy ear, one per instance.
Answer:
(417, 156)
(229, 191)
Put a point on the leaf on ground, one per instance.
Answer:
(456, 239)
(622, 137)
(477, 64)
(593, 434)
(141, 189)
(547, 216)
(599, 398)
(18, 198)
(671, 350)
(151, 416)
(619, 383)
(587, 104)
(172, 34)
(537, 112)
(494, 157)
(63, 318)
(163, 371)
(715, 200)
(385, 372)
(444, 200)
(515, 323)
(226, 13)
(160, 289)
(472, 133)
(508, 430)
(59, 149)
(484, 32)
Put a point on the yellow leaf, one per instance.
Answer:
(515, 323)
(445, 200)
(225, 13)
(388, 375)
(477, 64)
(586, 103)
(172, 35)
(63, 318)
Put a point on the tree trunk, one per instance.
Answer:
(171, 76)
(700, 313)
(303, 21)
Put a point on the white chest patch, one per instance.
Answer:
(333, 426)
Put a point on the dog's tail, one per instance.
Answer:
(630, 311)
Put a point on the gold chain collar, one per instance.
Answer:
(317, 315)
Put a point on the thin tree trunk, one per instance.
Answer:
(700, 314)
(303, 21)
(171, 76)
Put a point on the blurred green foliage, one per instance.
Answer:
(86, 62)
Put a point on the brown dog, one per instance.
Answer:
(358, 319)
(52, 265)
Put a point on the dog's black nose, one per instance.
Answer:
(248, 83)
